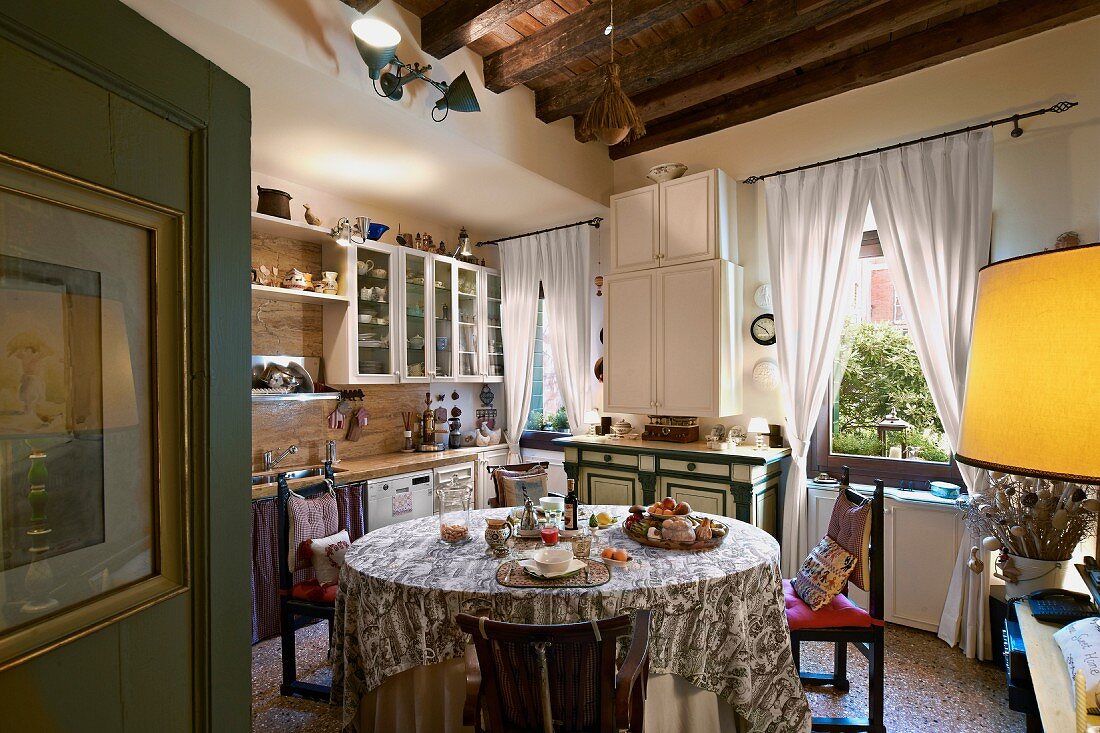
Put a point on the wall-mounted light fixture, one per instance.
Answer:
(377, 44)
(346, 231)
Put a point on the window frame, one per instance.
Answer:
(541, 439)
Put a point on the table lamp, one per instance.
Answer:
(759, 425)
(592, 419)
(1033, 387)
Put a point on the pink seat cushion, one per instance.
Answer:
(838, 613)
(313, 591)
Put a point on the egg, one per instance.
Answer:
(608, 553)
(620, 555)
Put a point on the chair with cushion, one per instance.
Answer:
(510, 481)
(539, 679)
(852, 551)
(310, 550)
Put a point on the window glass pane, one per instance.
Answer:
(881, 405)
(547, 406)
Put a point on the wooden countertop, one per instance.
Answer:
(743, 454)
(385, 464)
(1049, 674)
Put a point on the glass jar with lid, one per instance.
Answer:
(453, 499)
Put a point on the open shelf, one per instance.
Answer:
(296, 296)
(290, 229)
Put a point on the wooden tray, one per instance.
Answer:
(511, 574)
(638, 530)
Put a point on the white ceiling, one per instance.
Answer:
(318, 122)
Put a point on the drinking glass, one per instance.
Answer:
(582, 546)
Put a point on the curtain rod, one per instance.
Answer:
(593, 222)
(1058, 108)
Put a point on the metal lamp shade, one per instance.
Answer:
(377, 44)
(459, 96)
(1032, 404)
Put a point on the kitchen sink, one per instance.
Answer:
(273, 477)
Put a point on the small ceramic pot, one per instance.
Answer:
(273, 202)
(296, 280)
(497, 534)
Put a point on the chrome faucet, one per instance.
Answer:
(270, 461)
(330, 453)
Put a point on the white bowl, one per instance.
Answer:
(552, 503)
(553, 560)
(666, 172)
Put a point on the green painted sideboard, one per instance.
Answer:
(743, 483)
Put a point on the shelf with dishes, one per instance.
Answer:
(296, 296)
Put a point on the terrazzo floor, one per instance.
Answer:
(930, 688)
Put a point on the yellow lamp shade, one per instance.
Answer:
(1032, 403)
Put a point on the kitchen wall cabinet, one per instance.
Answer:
(673, 341)
(415, 317)
(690, 219)
(921, 540)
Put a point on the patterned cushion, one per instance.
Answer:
(850, 527)
(823, 573)
(511, 484)
(311, 590)
(310, 519)
(328, 556)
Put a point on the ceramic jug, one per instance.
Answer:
(497, 534)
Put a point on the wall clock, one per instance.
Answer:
(766, 375)
(763, 329)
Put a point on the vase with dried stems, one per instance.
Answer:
(1034, 524)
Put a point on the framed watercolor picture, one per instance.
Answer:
(92, 408)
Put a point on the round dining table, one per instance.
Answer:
(720, 652)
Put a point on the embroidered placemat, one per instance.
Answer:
(512, 575)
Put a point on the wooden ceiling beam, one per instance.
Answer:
(788, 54)
(1009, 20)
(361, 5)
(572, 38)
(456, 23)
(750, 26)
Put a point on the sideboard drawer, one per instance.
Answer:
(610, 459)
(701, 468)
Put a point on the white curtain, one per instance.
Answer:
(565, 291)
(933, 205)
(521, 264)
(815, 224)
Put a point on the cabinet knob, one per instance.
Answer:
(691, 466)
(607, 458)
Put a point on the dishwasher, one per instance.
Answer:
(399, 498)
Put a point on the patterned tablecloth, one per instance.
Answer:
(718, 616)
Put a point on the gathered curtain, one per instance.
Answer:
(933, 205)
(565, 281)
(521, 263)
(815, 225)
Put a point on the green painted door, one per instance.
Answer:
(92, 90)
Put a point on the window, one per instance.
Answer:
(547, 412)
(879, 419)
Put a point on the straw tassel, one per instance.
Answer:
(612, 117)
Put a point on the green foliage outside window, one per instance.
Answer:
(882, 372)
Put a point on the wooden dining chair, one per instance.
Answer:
(301, 598)
(525, 678)
(842, 622)
(494, 471)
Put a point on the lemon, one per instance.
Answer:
(604, 518)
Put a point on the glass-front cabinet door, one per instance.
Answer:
(374, 328)
(493, 342)
(443, 310)
(417, 283)
(468, 286)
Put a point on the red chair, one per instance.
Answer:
(522, 674)
(842, 622)
(303, 599)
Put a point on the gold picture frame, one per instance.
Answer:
(122, 401)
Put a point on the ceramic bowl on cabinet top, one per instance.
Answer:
(621, 427)
(666, 172)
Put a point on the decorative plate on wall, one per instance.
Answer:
(598, 370)
(766, 375)
(763, 296)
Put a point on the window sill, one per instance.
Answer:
(915, 497)
(542, 440)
